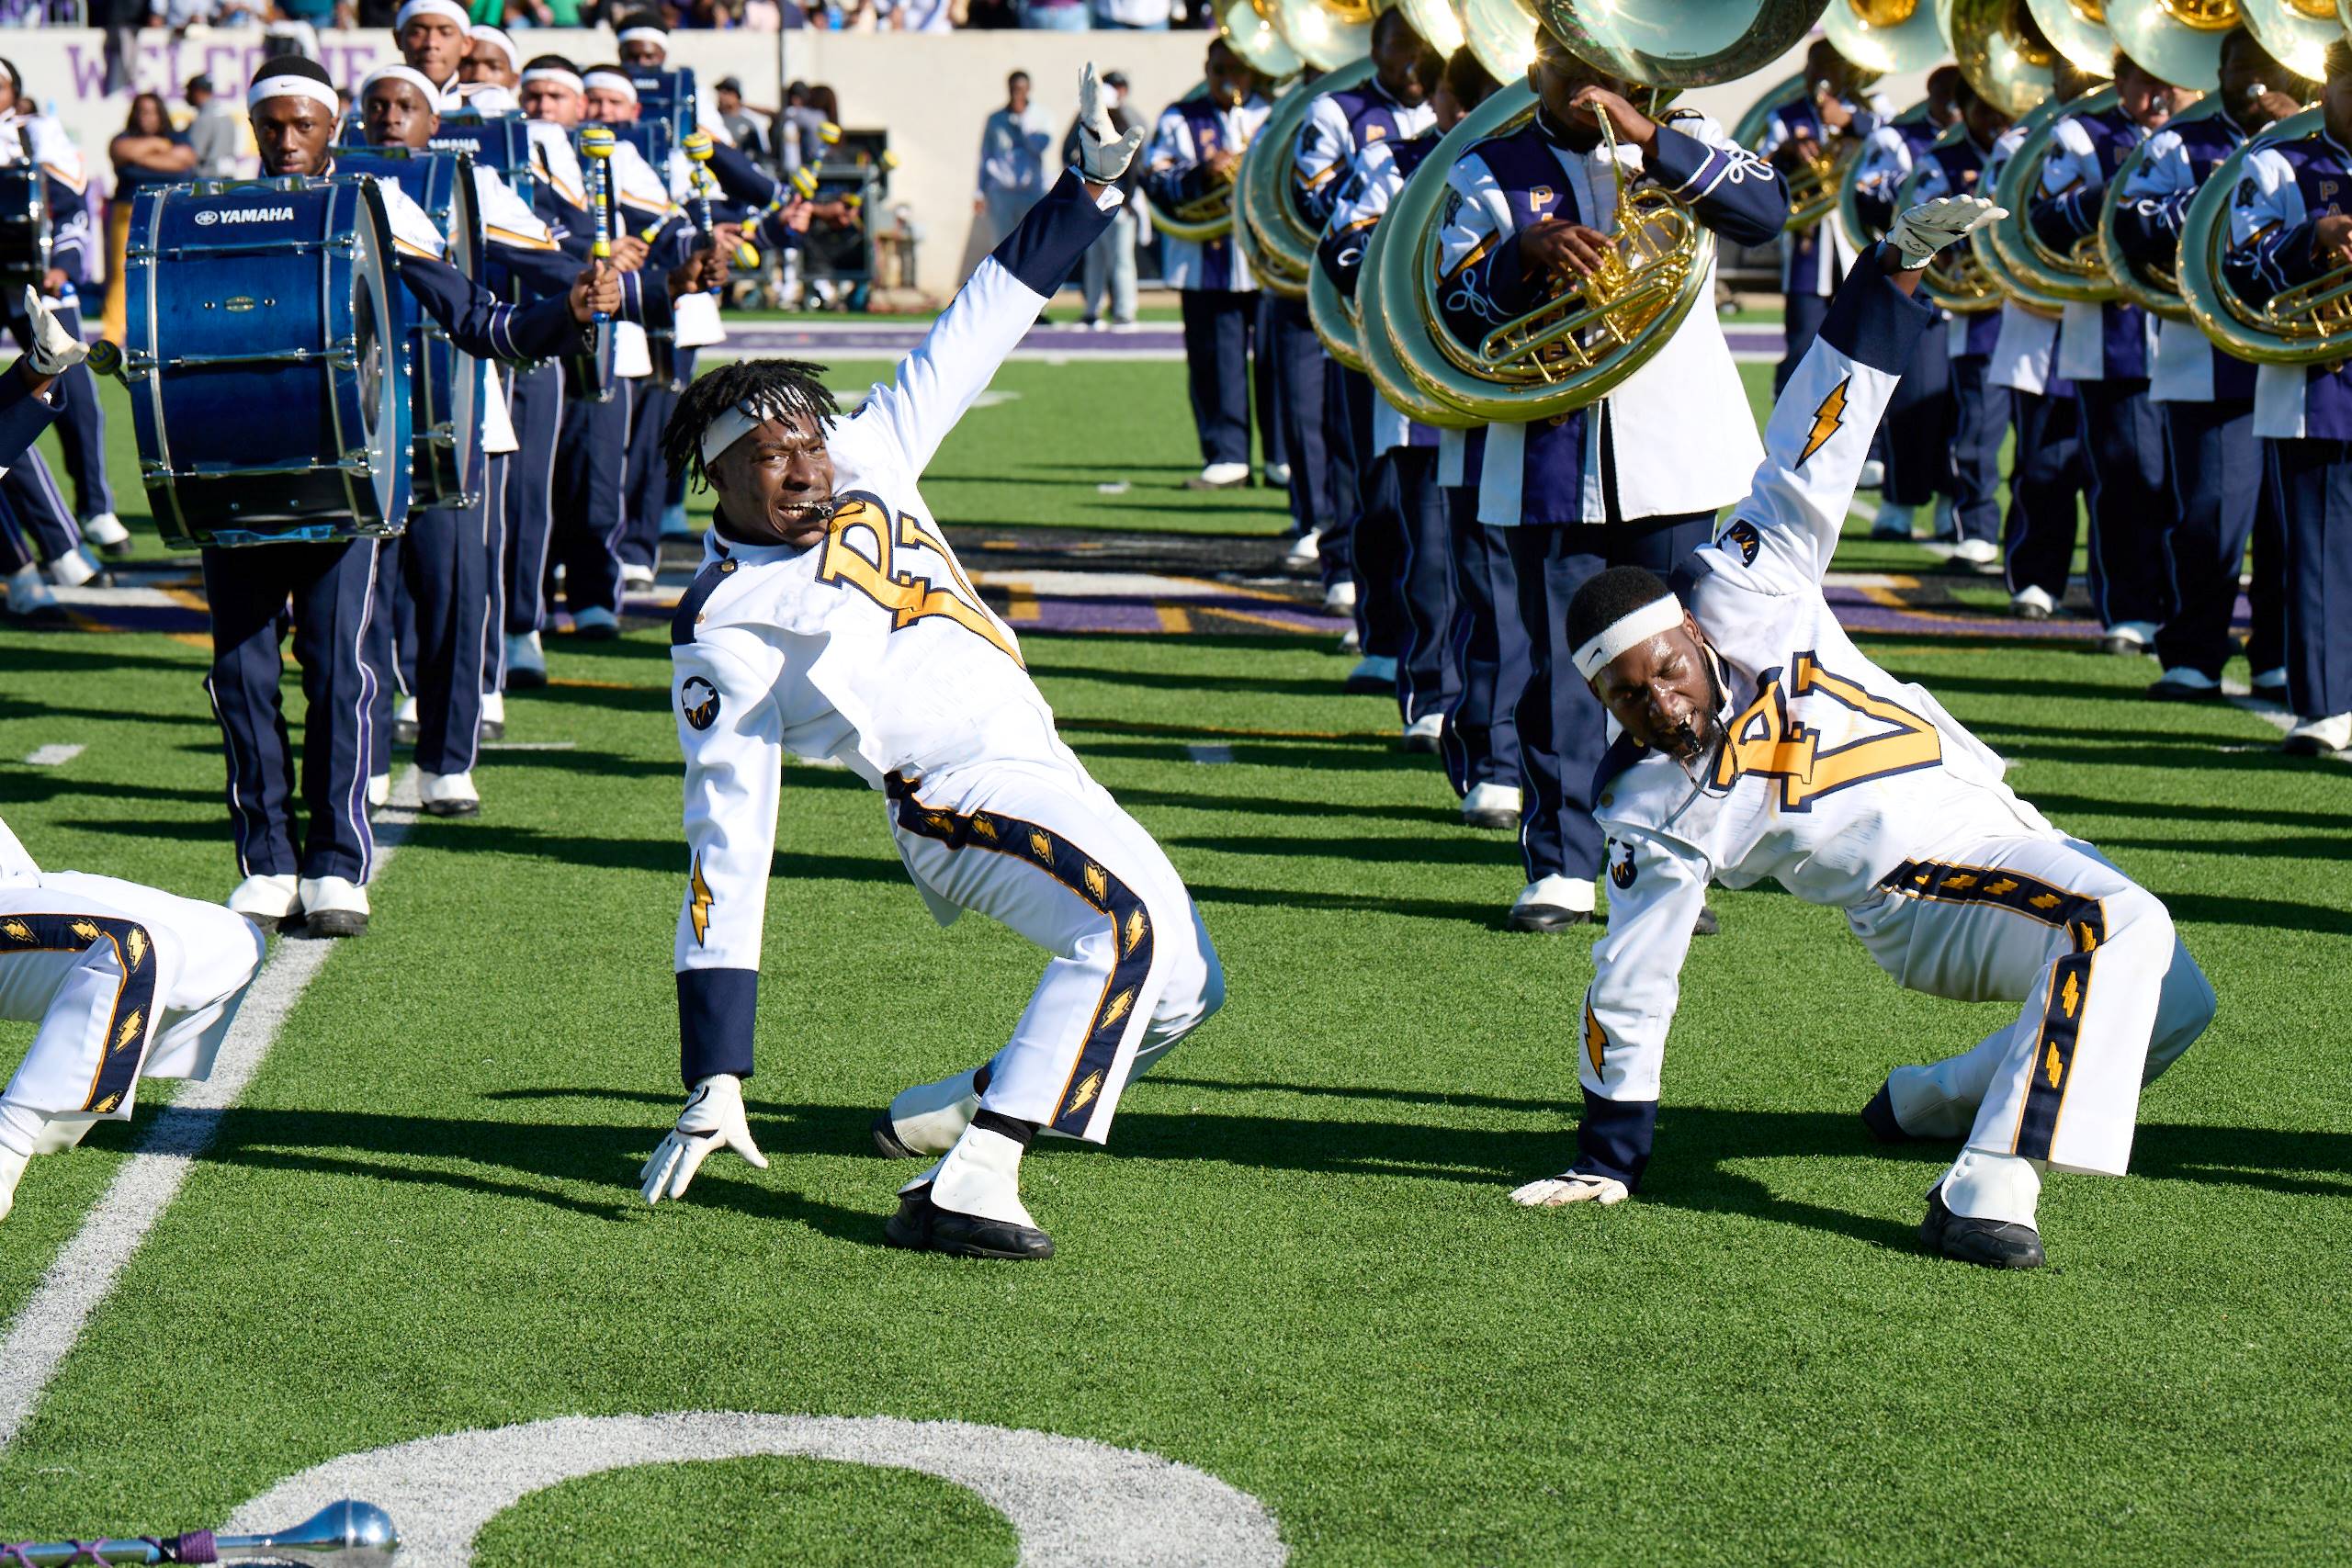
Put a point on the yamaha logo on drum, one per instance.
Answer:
(212, 215)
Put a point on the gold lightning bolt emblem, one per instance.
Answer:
(16, 931)
(698, 907)
(2072, 996)
(2051, 1067)
(2004, 885)
(984, 828)
(1136, 926)
(1962, 881)
(138, 946)
(108, 1103)
(1117, 1009)
(1041, 846)
(2043, 900)
(1826, 419)
(939, 821)
(1083, 1095)
(2088, 941)
(1098, 887)
(1595, 1040)
(129, 1032)
(85, 929)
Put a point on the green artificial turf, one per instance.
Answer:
(1295, 1268)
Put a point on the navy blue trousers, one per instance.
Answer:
(1563, 729)
(1347, 450)
(1802, 315)
(438, 584)
(1980, 417)
(2131, 497)
(1290, 345)
(493, 618)
(2311, 488)
(2046, 482)
(37, 508)
(327, 592)
(2219, 485)
(592, 450)
(82, 425)
(1266, 382)
(1917, 429)
(645, 485)
(1217, 369)
(538, 412)
(1428, 677)
(1481, 742)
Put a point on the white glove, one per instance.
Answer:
(1103, 154)
(1573, 1186)
(55, 350)
(714, 1115)
(1928, 228)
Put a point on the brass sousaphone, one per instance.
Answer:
(2150, 285)
(1279, 237)
(1955, 279)
(1587, 338)
(2308, 324)
(1249, 31)
(2031, 267)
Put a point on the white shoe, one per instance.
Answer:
(73, 567)
(2269, 680)
(527, 662)
(1894, 521)
(1220, 476)
(1492, 805)
(1550, 903)
(62, 1134)
(2128, 638)
(1373, 675)
(107, 532)
(267, 900)
(1339, 599)
(2031, 604)
(449, 795)
(405, 722)
(334, 906)
(1983, 1185)
(2184, 684)
(12, 1170)
(379, 791)
(1977, 552)
(1350, 642)
(2312, 737)
(493, 716)
(1873, 474)
(1304, 550)
(925, 1121)
(636, 576)
(1425, 732)
(1277, 476)
(969, 1203)
(28, 594)
(596, 624)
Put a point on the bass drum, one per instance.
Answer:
(263, 356)
(25, 234)
(444, 385)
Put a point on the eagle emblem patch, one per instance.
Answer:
(698, 700)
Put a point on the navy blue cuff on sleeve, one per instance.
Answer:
(546, 329)
(2061, 220)
(715, 1009)
(1045, 245)
(1614, 1138)
(22, 418)
(1873, 321)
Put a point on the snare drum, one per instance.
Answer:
(445, 389)
(262, 359)
(24, 226)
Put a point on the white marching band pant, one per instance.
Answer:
(1039, 846)
(2110, 996)
(124, 982)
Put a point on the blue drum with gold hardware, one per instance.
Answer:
(668, 96)
(263, 361)
(445, 386)
(24, 226)
(499, 142)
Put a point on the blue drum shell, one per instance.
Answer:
(264, 364)
(24, 224)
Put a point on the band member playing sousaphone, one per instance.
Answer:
(1195, 149)
(1529, 214)
(2206, 397)
(1805, 138)
(1980, 410)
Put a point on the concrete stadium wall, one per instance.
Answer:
(931, 92)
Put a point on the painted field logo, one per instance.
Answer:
(212, 215)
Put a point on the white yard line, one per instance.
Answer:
(54, 755)
(85, 1273)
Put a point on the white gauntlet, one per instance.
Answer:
(1103, 154)
(55, 350)
(1928, 228)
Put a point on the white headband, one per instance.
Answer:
(644, 35)
(611, 81)
(499, 39)
(448, 10)
(731, 426)
(557, 74)
(410, 75)
(1629, 630)
(291, 87)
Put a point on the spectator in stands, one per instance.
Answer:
(1111, 260)
(1143, 15)
(146, 152)
(216, 134)
(922, 16)
(750, 133)
(1013, 154)
(1054, 16)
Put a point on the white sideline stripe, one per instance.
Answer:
(85, 1273)
(54, 755)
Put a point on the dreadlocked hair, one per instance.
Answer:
(772, 389)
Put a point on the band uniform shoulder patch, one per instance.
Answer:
(698, 700)
(1621, 872)
(1742, 536)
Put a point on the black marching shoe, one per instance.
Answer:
(1879, 1117)
(1996, 1243)
(1707, 924)
(922, 1225)
(885, 1139)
